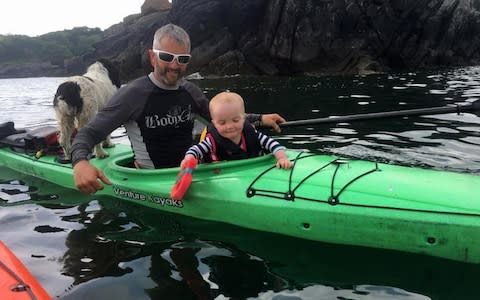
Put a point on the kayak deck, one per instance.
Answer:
(323, 198)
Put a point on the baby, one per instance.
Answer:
(231, 137)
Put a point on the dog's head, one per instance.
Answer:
(113, 72)
(68, 92)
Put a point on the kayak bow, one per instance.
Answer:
(16, 282)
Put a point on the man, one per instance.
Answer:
(157, 110)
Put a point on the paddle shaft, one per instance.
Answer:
(458, 108)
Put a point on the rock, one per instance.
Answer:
(287, 37)
(30, 70)
(150, 6)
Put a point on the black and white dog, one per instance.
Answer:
(79, 98)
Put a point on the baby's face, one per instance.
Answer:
(228, 119)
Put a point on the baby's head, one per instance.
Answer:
(228, 114)
(223, 100)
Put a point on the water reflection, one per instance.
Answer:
(180, 266)
(13, 191)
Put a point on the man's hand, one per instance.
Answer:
(272, 120)
(86, 177)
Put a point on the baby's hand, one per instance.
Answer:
(185, 159)
(284, 163)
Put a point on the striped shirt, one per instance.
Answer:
(204, 148)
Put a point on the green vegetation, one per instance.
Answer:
(52, 47)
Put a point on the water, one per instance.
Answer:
(90, 247)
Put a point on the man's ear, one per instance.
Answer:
(151, 57)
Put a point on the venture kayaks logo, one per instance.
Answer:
(145, 197)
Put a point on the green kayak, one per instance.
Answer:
(323, 198)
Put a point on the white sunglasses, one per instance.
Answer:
(168, 57)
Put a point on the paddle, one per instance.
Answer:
(458, 108)
(184, 179)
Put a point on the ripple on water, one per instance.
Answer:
(370, 292)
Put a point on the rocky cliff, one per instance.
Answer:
(277, 37)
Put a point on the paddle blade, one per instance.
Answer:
(184, 179)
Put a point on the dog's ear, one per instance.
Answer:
(113, 72)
